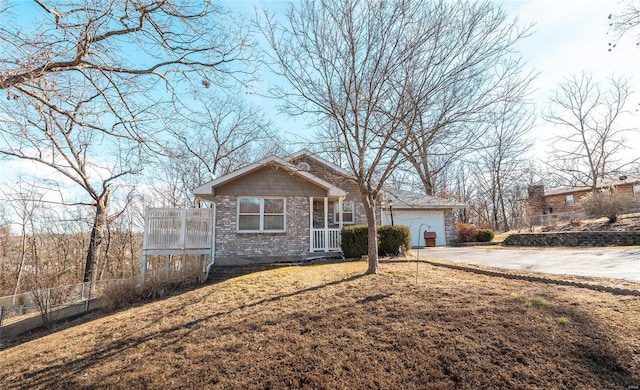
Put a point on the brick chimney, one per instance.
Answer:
(535, 202)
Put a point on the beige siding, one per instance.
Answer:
(350, 186)
(327, 174)
(270, 181)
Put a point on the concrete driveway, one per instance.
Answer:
(600, 263)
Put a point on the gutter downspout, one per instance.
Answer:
(213, 244)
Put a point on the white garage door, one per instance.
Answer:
(419, 221)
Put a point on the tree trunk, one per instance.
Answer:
(425, 177)
(428, 187)
(369, 208)
(505, 217)
(97, 235)
(503, 209)
(23, 250)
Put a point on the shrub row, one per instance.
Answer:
(471, 233)
(355, 240)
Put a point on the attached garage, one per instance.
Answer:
(420, 221)
(421, 213)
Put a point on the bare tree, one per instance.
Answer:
(211, 138)
(626, 21)
(24, 201)
(344, 62)
(501, 159)
(373, 69)
(591, 140)
(467, 71)
(80, 106)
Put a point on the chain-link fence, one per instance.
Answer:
(27, 311)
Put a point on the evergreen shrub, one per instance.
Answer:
(354, 241)
(484, 235)
(391, 237)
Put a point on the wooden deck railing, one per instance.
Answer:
(178, 229)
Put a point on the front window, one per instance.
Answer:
(261, 214)
(347, 212)
(569, 200)
(636, 191)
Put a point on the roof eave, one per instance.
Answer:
(208, 188)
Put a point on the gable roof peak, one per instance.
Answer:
(316, 157)
(207, 188)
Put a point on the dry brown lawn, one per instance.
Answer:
(329, 327)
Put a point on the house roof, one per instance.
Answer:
(604, 183)
(305, 152)
(402, 199)
(208, 188)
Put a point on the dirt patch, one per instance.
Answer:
(327, 326)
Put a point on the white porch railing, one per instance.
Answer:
(326, 240)
(178, 229)
(183, 232)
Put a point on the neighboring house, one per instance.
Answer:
(567, 199)
(292, 209)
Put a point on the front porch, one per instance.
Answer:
(326, 223)
(171, 234)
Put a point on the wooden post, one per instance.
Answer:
(326, 224)
(145, 243)
(183, 228)
(184, 263)
(311, 233)
(340, 214)
(143, 268)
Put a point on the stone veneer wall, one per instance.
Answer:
(449, 228)
(233, 248)
(602, 238)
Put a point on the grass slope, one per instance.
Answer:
(326, 326)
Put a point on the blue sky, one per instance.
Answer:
(568, 37)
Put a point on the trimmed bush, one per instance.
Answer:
(354, 241)
(391, 237)
(484, 235)
(466, 232)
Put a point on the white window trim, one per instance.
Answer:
(262, 215)
(336, 213)
(636, 190)
(569, 201)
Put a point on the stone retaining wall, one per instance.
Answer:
(601, 238)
